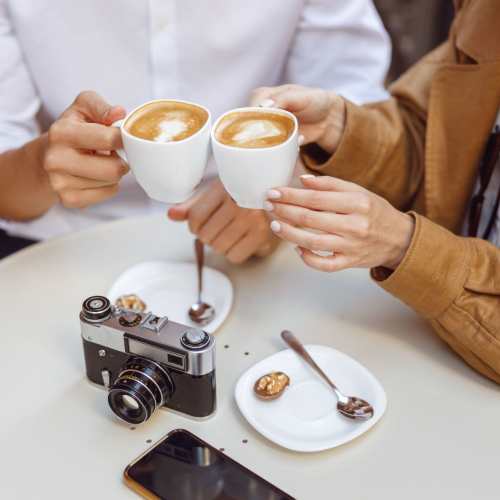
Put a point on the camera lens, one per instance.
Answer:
(130, 403)
(142, 386)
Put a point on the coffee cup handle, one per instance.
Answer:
(120, 152)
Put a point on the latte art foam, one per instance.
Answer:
(252, 129)
(167, 121)
(171, 127)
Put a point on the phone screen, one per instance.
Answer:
(183, 467)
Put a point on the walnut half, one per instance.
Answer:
(271, 385)
(131, 302)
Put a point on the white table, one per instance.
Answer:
(439, 439)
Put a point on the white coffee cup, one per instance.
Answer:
(248, 173)
(168, 171)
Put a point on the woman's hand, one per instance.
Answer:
(235, 232)
(321, 114)
(80, 158)
(359, 227)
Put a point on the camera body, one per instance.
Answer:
(147, 361)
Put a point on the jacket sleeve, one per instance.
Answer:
(455, 283)
(383, 144)
(452, 281)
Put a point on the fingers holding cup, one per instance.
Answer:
(300, 216)
(307, 239)
(341, 203)
(328, 264)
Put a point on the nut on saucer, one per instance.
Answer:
(131, 302)
(271, 386)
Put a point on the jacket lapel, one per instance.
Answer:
(477, 30)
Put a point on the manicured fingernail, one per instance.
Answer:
(273, 194)
(307, 176)
(268, 206)
(267, 103)
(301, 139)
(299, 251)
(275, 226)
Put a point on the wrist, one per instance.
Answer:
(41, 148)
(404, 235)
(334, 123)
(41, 145)
(29, 193)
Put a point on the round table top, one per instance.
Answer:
(439, 438)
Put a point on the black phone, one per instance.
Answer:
(183, 467)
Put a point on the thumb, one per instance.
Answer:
(114, 114)
(92, 107)
(294, 101)
(180, 211)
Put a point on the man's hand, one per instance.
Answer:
(237, 233)
(80, 157)
(321, 114)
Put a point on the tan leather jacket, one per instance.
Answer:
(421, 150)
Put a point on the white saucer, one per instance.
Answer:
(305, 417)
(169, 288)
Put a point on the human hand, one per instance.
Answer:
(235, 232)
(80, 157)
(321, 113)
(361, 228)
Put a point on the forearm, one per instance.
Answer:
(453, 282)
(25, 192)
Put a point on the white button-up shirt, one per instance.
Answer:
(209, 51)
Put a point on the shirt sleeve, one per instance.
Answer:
(454, 282)
(19, 102)
(343, 46)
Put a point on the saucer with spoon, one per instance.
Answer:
(311, 414)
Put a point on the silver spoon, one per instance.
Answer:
(349, 406)
(200, 312)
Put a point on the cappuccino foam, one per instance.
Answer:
(166, 121)
(253, 129)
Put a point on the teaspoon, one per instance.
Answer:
(349, 406)
(200, 312)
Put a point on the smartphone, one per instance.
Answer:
(183, 467)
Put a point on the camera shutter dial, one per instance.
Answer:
(195, 339)
(96, 308)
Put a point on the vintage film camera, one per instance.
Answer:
(147, 362)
